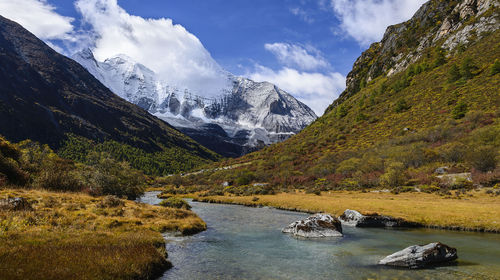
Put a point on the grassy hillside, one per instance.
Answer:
(393, 131)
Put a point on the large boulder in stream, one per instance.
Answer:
(415, 256)
(317, 226)
(356, 219)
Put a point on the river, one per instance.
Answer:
(247, 243)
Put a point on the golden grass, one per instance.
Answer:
(479, 212)
(76, 236)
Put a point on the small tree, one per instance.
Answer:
(467, 68)
(454, 74)
(439, 57)
(394, 175)
(341, 111)
(495, 67)
(401, 106)
(460, 110)
(177, 180)
(483, 158)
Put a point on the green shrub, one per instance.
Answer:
(245, 178)
(495, 67)
(401, 106)
(484, 158)
(10, 169)
(394, 175)
(349, 165)
(454, 74)
(439, 57)
(58, 174)
(175, 202)
(341, 111)
(460, 110)
(453, 152)
(109, 177)
(466, 68)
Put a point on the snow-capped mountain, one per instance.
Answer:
(246, 116)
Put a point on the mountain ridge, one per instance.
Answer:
(252, 114)
(435, 23)
(44, 96)
(395, 129)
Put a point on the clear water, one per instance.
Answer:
(247, 243)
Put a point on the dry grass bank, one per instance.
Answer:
(76, 236)
(477, 212)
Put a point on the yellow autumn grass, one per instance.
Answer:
(477, 212)
(76, 236)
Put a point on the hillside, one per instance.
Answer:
(49, 98)
(426, 96)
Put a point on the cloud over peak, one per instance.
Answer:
(317, 90)
(176, 55)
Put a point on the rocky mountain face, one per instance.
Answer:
(246, 116)
(45, 95)
(437, 24)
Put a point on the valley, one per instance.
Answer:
(112, 170)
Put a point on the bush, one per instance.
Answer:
(453, 152)
(401, 106)
(349, 165)
(10, 169)
(175, 202)
(394, 175)
(10, 172)
(466, 68)
(460, 110)
(245, 178)
(454, 74)
(483, 158)
(495, 67)
(439, 57)
(109, 177)
(58, 175)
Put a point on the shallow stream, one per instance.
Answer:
(247, 243)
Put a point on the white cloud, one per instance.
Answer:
(303, 15)
(316, 90)
(367, 20)
(39, 17)
(168, 49)
(297, 56)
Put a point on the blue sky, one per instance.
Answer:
(235, 31)
(306, 47)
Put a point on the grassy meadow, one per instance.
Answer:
(476, 211)
(77, 236)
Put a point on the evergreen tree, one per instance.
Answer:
(467, 68)
(454, 74)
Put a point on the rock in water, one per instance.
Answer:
(356, 219)
(317, 226)
(421, 256)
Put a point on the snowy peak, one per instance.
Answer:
(255, 113)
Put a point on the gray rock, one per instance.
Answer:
(356, 219)
(421, 256)
(317, 226)
(15, 204)
(452, 179)
(441, 170)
